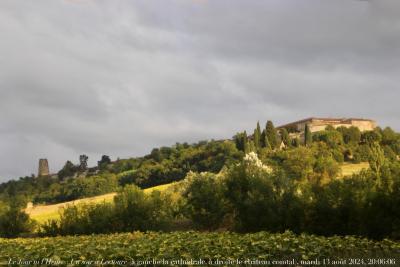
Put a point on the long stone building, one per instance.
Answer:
(319, 124)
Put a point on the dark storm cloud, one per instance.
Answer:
(120, 77)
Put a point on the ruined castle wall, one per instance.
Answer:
(43, 168)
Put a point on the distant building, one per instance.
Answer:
(319, 124)
(296, 129)
(43, 168)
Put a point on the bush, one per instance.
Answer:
(362, 153)
(15, 222)
(132, 210)
(351, 135)
(137, 211)
(127, 177)
(326, 168)
(261, 200)
(299, 163)
(206, 205)
(334, 209)
(332, 138)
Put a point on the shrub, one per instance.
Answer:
(206, 205)
(14, 222)
(299, 162)
(332, 138)
(260, 199)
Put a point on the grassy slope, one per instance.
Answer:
(42, 213)
(349, 169)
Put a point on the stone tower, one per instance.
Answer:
(43, 167)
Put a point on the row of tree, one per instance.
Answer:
(267, 138)
(349, 140)
(71, 170)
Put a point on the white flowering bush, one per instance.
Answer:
(253, 160)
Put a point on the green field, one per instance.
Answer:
(128, 248)
(42, 213)
(350, 169)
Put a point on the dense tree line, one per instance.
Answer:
(77, 188)
(365, 204)
(166, 164)
(345, 144)
(163, 165)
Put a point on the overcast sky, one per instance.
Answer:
(121, 77)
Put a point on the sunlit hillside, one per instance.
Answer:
(42, 213)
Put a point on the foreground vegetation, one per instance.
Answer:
(258, 248)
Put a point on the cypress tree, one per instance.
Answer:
(238, 141)
(250, 147)
(257, 136)
(258, 128)
(264, 140)
(241, 141)
(245, 142)
(295, 142)
(307, 135)
(272, 135)
(285, 137)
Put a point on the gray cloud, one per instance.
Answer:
(121, 77)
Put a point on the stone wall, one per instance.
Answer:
(317, 124)
(43, 168)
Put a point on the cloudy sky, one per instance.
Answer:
(121, 77)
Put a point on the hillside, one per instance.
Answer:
(162, 166)
(322, 156)
(43, 213)
(269, 180)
